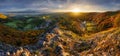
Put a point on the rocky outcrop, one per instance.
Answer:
(20, 52)
(59, 42)
(52, 44)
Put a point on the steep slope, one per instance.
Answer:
(106, 43)
(20, 38)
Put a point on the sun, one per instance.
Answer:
(75, 10)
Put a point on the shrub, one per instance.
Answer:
(117, 21)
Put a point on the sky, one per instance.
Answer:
(59, 5)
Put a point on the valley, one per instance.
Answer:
(60, 34)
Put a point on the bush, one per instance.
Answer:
(117, 21)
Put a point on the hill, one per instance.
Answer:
(62, 34)
(104, 43)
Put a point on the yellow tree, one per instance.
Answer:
(2, 16)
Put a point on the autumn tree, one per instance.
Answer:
(2, 16)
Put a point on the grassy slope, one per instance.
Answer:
(16, 37)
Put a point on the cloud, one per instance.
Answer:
(101, 5)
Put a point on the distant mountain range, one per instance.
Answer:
(28, 11)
